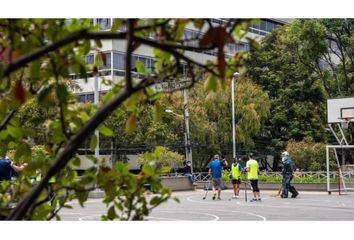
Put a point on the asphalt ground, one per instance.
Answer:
(308, 206)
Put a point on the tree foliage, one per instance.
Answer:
(309, 155)
(162, 159)
(297, 95)
(37, 58)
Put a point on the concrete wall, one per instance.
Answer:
(178, 183)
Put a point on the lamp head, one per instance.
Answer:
(236, 75)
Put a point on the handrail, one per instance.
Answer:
(204, 176)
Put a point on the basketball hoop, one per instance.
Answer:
(345, 123)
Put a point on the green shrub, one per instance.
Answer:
(277, 179)
(309, 155)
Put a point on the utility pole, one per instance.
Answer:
(186, 132)
(236, 75)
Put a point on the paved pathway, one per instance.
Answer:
(308, 206)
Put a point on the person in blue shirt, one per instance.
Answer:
(8, 169)
(215, 168)
(287, 173)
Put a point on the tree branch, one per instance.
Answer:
(82, 34)
(69, 151)
(172, 49)
(7, 119)
(128, 55)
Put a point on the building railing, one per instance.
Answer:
(204, 176)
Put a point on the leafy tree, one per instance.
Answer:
(162, 158)
(297, 95)
(37, 57)
(325, 46)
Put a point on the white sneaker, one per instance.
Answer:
(234, 197)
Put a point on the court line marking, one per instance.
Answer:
(216, 203)
(172, 219)
(89, 216)
(216, 218)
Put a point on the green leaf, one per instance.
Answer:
(23, 152)
(111, 213)
(116, 24)
(82, 197)
(140, 67)
(35, 70)
(131, 123)
(76, 161)
(148, 170)
(93, 143)
(62, 93)
(45, 96)
(3, 109)
(82, 71)
(158, 113)
(181, 25)
(106, 131)
(98, 43)
(3, 149)
(253, 42)
(84, 117)
(155, 201)
(211, 84)
(3, 135)
(15, 132)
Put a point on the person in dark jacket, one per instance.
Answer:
(9, 169)
(187, 171)
(287, 174)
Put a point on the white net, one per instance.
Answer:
(345, 125)
(346, 179)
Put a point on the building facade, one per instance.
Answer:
(114, 68)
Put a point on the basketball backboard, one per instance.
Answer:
(340, 110)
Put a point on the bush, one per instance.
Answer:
(278, 179)
(162, 158)
(309, 155)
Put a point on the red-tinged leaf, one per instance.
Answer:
(222, 36)
(103, 58)
(221, 63)
(5, 57)
(208, 38)
(94, 71)
(217, 36)
(20, 92)
(131, 123)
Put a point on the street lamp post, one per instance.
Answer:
(236, 75)
(186, 134)
(96, 100)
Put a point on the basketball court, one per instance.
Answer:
(309, 206)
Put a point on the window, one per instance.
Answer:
(118, 61)
(90, 98)
(89, 59)
(108, 62)
(104, 23)
(265, 27)
(82, 98)
(86, 97)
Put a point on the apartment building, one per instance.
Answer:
(114, 69)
